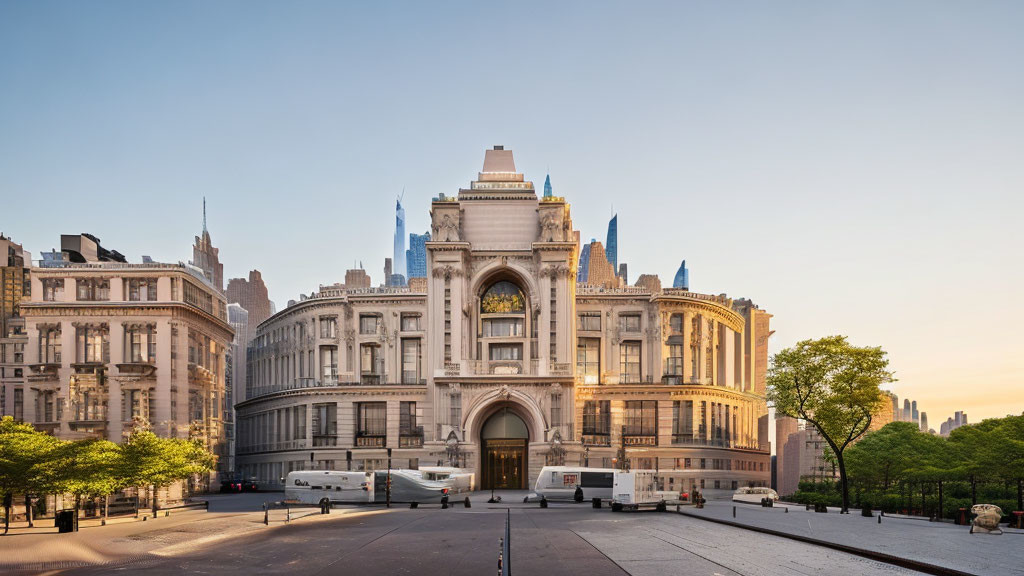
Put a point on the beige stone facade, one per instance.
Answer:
(501, 332)
(114, 345)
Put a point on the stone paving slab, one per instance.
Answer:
(938, 543)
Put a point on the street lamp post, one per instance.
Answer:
(387, 489)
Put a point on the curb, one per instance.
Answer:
(870, 554)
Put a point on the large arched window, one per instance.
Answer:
(503, 298)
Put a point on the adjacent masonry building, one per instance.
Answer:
(113, 345)
(499, 361)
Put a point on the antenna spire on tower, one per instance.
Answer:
(204, 213)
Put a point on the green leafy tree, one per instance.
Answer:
(85, 468)
(25, 461)
(832, 385)
(149, 461)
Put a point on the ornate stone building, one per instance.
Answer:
(113, 345)
(500, 362)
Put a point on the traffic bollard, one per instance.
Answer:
(266, 515)
(733, 511)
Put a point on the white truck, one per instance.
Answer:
(636, 489)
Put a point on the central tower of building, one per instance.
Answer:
(500, 307)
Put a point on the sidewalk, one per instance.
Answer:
(127, 539)
(938, 543)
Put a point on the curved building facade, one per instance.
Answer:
(501, 363)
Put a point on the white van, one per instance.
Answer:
(754, 494)
(318, 486)
(560, 482)
(636, 489)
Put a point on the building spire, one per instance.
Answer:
(204, 215)
(547, 186)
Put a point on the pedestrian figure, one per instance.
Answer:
(578, 495)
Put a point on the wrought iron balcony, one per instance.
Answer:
(368, 441)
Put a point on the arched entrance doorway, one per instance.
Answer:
(504, 436)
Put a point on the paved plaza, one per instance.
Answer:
(563, 539)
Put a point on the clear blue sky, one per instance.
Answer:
(854, 168)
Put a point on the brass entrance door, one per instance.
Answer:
(504, 464)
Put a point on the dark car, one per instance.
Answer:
(238, 485)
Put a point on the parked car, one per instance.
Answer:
(229, 485)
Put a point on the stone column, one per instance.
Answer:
(543, 326)
(728, 355)
(458, 319)
(687, 353)
(702, 350)
(117, 293)
(115, 419)
(715, 376)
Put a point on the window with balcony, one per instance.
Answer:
(588, 359)
(674, 362)
(53, 289)
(368, 323)
(329, 363)
(140, 289)
(49, 345)
(641, 420)
(588, 321)
(325, 424)
(93, 344)
(140, 343)
(629, 322)
(371, 424)
(93, 289)
(597, 422)
(629, 362)
(410, 322)
(682, 421)
(410, 361)
(328, 326)
(371, 363)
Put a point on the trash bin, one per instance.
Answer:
(66, 521)
(961, 516)
(595, 502)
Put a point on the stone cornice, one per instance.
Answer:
(363, 391)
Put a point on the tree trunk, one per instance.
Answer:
(844, 484)
(1020, 493)
(28, 510)
(106, 508)
(8, 506)
(974, 491)
(941, 509)
(924, 506)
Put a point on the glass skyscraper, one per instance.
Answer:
(611, 247)
(584, 270)
(398, 259)
(682, 279)
(547, 186)
(416, 255)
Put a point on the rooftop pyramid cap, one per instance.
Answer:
(498, 160)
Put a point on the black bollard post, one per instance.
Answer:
(733, 511)
(414, 504)
(543, 502)
(467, 504)
(266, 515)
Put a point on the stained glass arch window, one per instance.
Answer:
(503, 298)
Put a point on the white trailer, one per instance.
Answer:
(328, 486)
(636, 489)
(560, 482)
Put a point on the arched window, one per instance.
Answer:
(503, 298)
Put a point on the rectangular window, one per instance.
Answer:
(19, 404)
(93, 289)
(140, 343)
(629, 362)
(196, 296)
(505, 351)
(629, 322)
(329, 358)
(410, 322)
(408, 424)
(140, 289)
(325, 424)
(455, 406)
(372, 419)
(556, 408)
(328, 326)
(675, 324)
(53, 289)
(503, 328)
(588, 359)
(49, 345)
(368, 323)
(93, 344)
(682, 421)
(410, 361)
(641, 418)
(370, 361)
(674, 362)
(589, 321)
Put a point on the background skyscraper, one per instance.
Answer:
(547, 186)
(416, 255)
(611, 246)
(914, 416)
(682, 279)
(584, 270)
(906, 410)
(398, 259)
